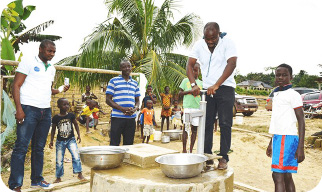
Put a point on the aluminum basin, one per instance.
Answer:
(102, 157)
(174, 134)
(181, 165)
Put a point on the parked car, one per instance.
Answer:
(245, 104)
(300, 90)
(312, 98)
(312, 104)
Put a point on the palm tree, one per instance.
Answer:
(32, 35)
(145, 35)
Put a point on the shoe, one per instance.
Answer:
(18, 189)
(222, 165)
(42, 184)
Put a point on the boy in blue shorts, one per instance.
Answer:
(287, 144)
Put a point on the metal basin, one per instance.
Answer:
(174, 133)
(102, 157)
(181, 165)
(165, 139)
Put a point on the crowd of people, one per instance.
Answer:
(215, 56)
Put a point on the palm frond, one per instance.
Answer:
(179, 59)
(35, 30)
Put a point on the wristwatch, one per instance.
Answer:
(193, 84)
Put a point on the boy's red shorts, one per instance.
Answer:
(95, 115)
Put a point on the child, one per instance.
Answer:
(148, 96)
(287, 144)
(149, 120)
(88, 95)
(176, 115)
(85, 114)
(166, 106)
(65, 139)
(95, 114)
(190, 104)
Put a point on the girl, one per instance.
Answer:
(166, 99)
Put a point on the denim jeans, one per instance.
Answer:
(222, 103)
(61, 146)
(35, 128)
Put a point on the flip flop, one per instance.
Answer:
(66, 160)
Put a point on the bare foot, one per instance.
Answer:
(58, 180)
(184, 151)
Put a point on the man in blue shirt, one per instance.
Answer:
(123, 94)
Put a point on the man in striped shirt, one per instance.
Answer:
(122, 94)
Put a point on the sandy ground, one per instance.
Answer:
(248, 159)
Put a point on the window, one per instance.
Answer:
(307, 97)
(314, 96)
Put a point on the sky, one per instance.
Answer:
(266, 32)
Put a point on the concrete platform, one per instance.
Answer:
(143, 155)
(129, 178)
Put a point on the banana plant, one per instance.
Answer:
(13, 31)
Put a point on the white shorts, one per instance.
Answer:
(147, 130)
(195, 120)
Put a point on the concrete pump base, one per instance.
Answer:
(130, 178)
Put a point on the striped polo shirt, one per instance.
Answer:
(123, 93)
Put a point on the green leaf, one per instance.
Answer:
(5, 13)
(19, 7)
(15, 25)
(14, 13)
(7, 52)
(13, 19)
(11, 5)
(4, 22)
(27, 11)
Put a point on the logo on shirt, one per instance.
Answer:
(37, 69)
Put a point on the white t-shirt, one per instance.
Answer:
(36, 89)
(283, 121)
(212, 65)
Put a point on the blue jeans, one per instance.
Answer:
(35, 128)
(222, 103)
(61, 146)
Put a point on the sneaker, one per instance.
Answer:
(42, 184)
(222, 165)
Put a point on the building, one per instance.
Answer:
(255, 85)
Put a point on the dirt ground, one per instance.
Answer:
(248, 159)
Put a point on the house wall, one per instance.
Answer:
(74, 94)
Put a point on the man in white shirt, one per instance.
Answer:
(217, 57)
(32, 90)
